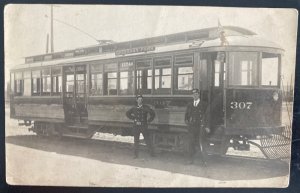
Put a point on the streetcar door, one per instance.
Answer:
(75, 93)
(215, 62)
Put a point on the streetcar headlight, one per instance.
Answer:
(275, 96)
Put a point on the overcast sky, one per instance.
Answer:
(26, 26)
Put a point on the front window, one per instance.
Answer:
(269, 69)
(243, 69)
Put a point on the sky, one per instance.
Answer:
(26, 26)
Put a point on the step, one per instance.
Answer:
(78, 126)
(77, 135)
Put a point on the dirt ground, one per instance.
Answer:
(107, 161)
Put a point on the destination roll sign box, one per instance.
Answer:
(134, 50)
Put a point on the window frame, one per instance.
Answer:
(38, 82)
(279, 56)
(144, 91)
(176, 74)
(108, 69)
(160, 90)
(257, 75)
(20, 80)
(126, 68)
(58, 78)
(12, 83)
(28, 78)
(43, 77)
(96, 69)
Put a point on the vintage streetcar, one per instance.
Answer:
(79, 92)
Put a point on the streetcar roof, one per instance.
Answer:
(237, 37)
(238, 40)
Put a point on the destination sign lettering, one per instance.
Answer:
(134, 50)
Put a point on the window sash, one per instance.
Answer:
(184, 78)
(96, 87)
(46, 84)
(56, 84)
(126, 82)
(162, 78)
(36, 85)
(236, 62)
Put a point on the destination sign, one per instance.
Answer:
(134, 50)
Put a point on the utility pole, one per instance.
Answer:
(69, 25)
(52, 43)
(47, 44)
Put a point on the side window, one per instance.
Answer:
(46, 82)
(112, 83)
(70, 83)
(56, 81)
(80, 81)
(183, 74)
(96, 84)
(27, 83)
(162, 75)
(36, 82)
(110, 79)
(144, 76)
(19, 82)
(12, 83)
(80, 84)
(126, 78)
(203, 74)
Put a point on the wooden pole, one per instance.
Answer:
(52, 43)
(47, 44)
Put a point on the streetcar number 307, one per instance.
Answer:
(240, 105)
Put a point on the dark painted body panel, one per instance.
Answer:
(264, 112)
(38, 108)
(169, 111)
